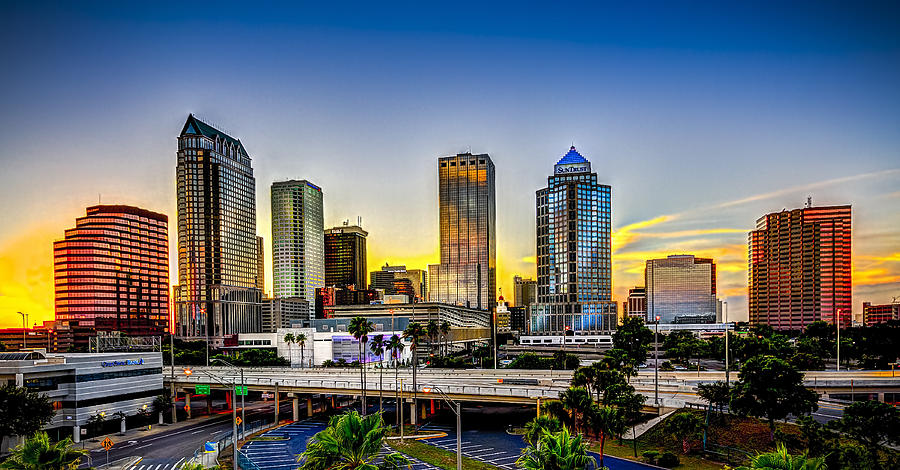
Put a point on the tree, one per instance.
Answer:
(577, 401)
(871, 422)
(605, 421)
(684, 426)
(360, 328)
(556, 451)
(37, 453)
(162, 403)
(717, 394)
(781, 459)
(535, 428)
(806, 361)
(289, 339)
(301, 340)
(377, 348)
(415, 332)
(555, 409)
(95, 422)
(768, 387)
(433, 330)
(634, 338)
(350, 442)
(445, 332)
(23, 412)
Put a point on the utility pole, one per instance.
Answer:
(837, 323)
(24, 322)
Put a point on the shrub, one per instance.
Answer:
(651, 456)
(668, 460)
(666, 366)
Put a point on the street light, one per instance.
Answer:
(656, 367)
(24, 321)
(243, 393)
(455, 407)
(837, 324)
(234, 434)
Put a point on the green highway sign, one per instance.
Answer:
(240, 390)
(201, 389)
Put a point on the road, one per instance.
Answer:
(171, 449)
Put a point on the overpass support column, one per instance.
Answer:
(277, 402)
(187, 404)
(309, 409)
(412, 413)
(881, 397)
(209, 402)
(424, 411)
(296, 407)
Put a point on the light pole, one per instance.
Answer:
(243, 393)
(24, 321)
(727, 331)
(174, 393)
(400, 408)
(656, 367)
(234, 439)
(455, 407)
(837, 323)
(494, 321)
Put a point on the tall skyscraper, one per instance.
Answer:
(298, 241)
(112, 273)
(681, 289)
(467, 273)
(800, 267)
(524, 291)
(217, 290)
(345, 257)
(574, 261)
(260, 264)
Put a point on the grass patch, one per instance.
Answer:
(435, 455)
(268, 438)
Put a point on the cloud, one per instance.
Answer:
(628, 234)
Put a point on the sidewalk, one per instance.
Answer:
(640, 429)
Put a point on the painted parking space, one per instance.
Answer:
(282, 454)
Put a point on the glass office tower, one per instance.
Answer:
(800, 267)
(298, 241)
(467, 274)
(112, 273)
(217, 290)
(574, 262)
(345, 257)
(681, 289)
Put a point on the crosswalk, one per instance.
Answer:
(477, 451)
(159, 464)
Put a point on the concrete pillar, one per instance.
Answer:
(122, 426)
(309, 408)
(160, 417)
(881, 397)
(209, 403)
(76, 434)
(277, 402)
(187, 404)
(174, 401)
(296, 406)
(412, 413)
(424, 411)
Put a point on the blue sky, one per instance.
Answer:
(702, 117)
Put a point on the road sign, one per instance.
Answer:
(107, 444)
(268, 395)
(209, 447)
(201, 389)
(83, 432)
(240, 390)
(239, 420)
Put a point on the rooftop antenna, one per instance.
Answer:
(359, 221)
(98, 199)
(808, 202)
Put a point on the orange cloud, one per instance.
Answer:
(26, 277)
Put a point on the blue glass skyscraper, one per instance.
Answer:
(574, 257)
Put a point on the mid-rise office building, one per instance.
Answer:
(681, 289)
(327, 297)
(875, 314)
(518, 319)
(800, 269)
(574, 261)
(298, 241)
(524, 291)
(467, 273)
(283, 313)
(217, 292)
(111, 273)
(345, 257)
(397, 280)
(636, 305)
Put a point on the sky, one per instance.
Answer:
(702, 116)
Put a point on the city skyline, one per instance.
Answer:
(796, 109)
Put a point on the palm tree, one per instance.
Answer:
(350, 442)
(395, 345)
(577, 400)
(289, 339)
(535, 428)
(37, 453)
(685, 426)
(556, 451)
(445, 331)
(377, 348)
(433, 330)
(782, 460)
(301, 340)
(415, 332)
(605, 421)
(360, 328)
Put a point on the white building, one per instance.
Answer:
(298, 241)
(320, 346)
